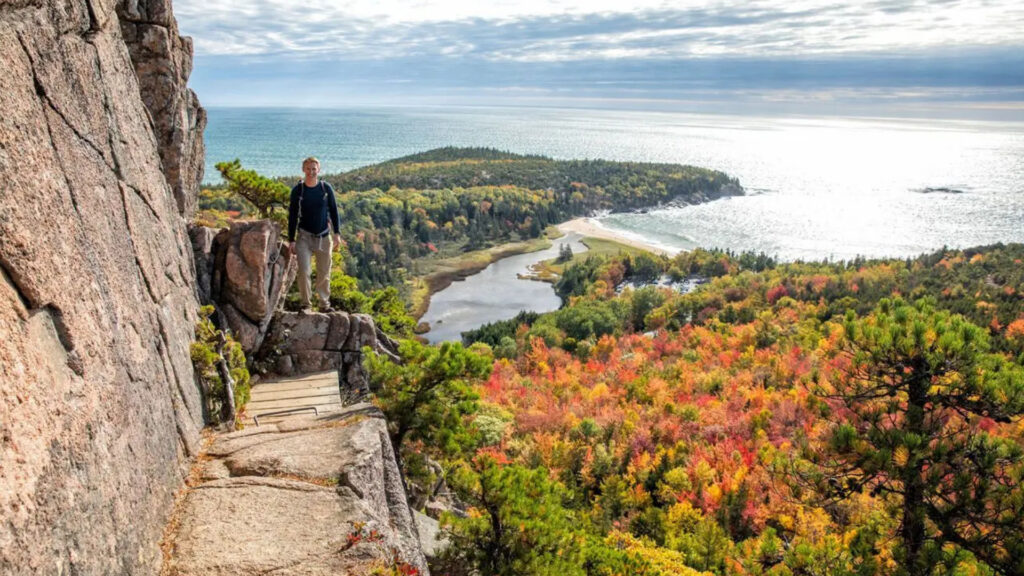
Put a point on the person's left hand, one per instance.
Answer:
(337, 242)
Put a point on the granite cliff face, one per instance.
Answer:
(163, 63)
(99, 409)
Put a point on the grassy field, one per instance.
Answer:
(550, 270)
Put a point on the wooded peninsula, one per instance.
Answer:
(400, 216)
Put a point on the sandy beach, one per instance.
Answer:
(587, 227)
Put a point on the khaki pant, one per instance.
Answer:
(306, 246)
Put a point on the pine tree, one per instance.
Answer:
(426, 397)
(916, 396)
(517, 522)
(264, 193)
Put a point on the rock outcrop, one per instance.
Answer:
(99, 407)
(244, 271)
(302, 343)
(309, 496)
(163, 63)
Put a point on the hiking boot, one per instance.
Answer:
(305, 310)
(327, 309)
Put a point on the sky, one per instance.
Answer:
(927, 58)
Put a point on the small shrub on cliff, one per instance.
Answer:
(210, 347)
(263, 193)
(428, 396)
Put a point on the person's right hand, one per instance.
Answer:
(291, 248)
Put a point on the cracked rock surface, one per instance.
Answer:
(284, 498)
(99, 408)
(163, 62)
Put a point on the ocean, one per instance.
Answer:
(816, 187)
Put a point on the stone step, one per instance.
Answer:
(262, 395)
(318, 389)
(272, 405)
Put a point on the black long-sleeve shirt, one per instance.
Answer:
(317, 211)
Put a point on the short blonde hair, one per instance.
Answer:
(309, 160)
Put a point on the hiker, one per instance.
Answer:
(313, 212)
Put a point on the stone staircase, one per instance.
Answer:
(276, 399)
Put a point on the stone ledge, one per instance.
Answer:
(285, 499)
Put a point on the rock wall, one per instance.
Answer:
(99, 407)
(163, 63)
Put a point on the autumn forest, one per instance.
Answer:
(859, 417)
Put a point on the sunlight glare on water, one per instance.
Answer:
(840, 188)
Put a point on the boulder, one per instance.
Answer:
(432, 540)
(338, 332)
(248, 262)
(245, 332)
(250, 272)
(308, 361)
(436, 509)
(299, 343)
(362, 332)
(284, 365)
(291, 332)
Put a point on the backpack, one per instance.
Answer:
(302, 190)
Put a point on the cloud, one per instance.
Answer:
(567, 31)
(685, 50)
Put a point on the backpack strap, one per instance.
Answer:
(298, 219)
(323, 186)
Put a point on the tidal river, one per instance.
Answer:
(495, 293)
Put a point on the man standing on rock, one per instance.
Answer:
(313, 212)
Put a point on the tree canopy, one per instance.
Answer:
(914, 391)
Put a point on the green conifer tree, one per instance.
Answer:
(427, 396)
(917, 395)
(518, 523)
(264, 193)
